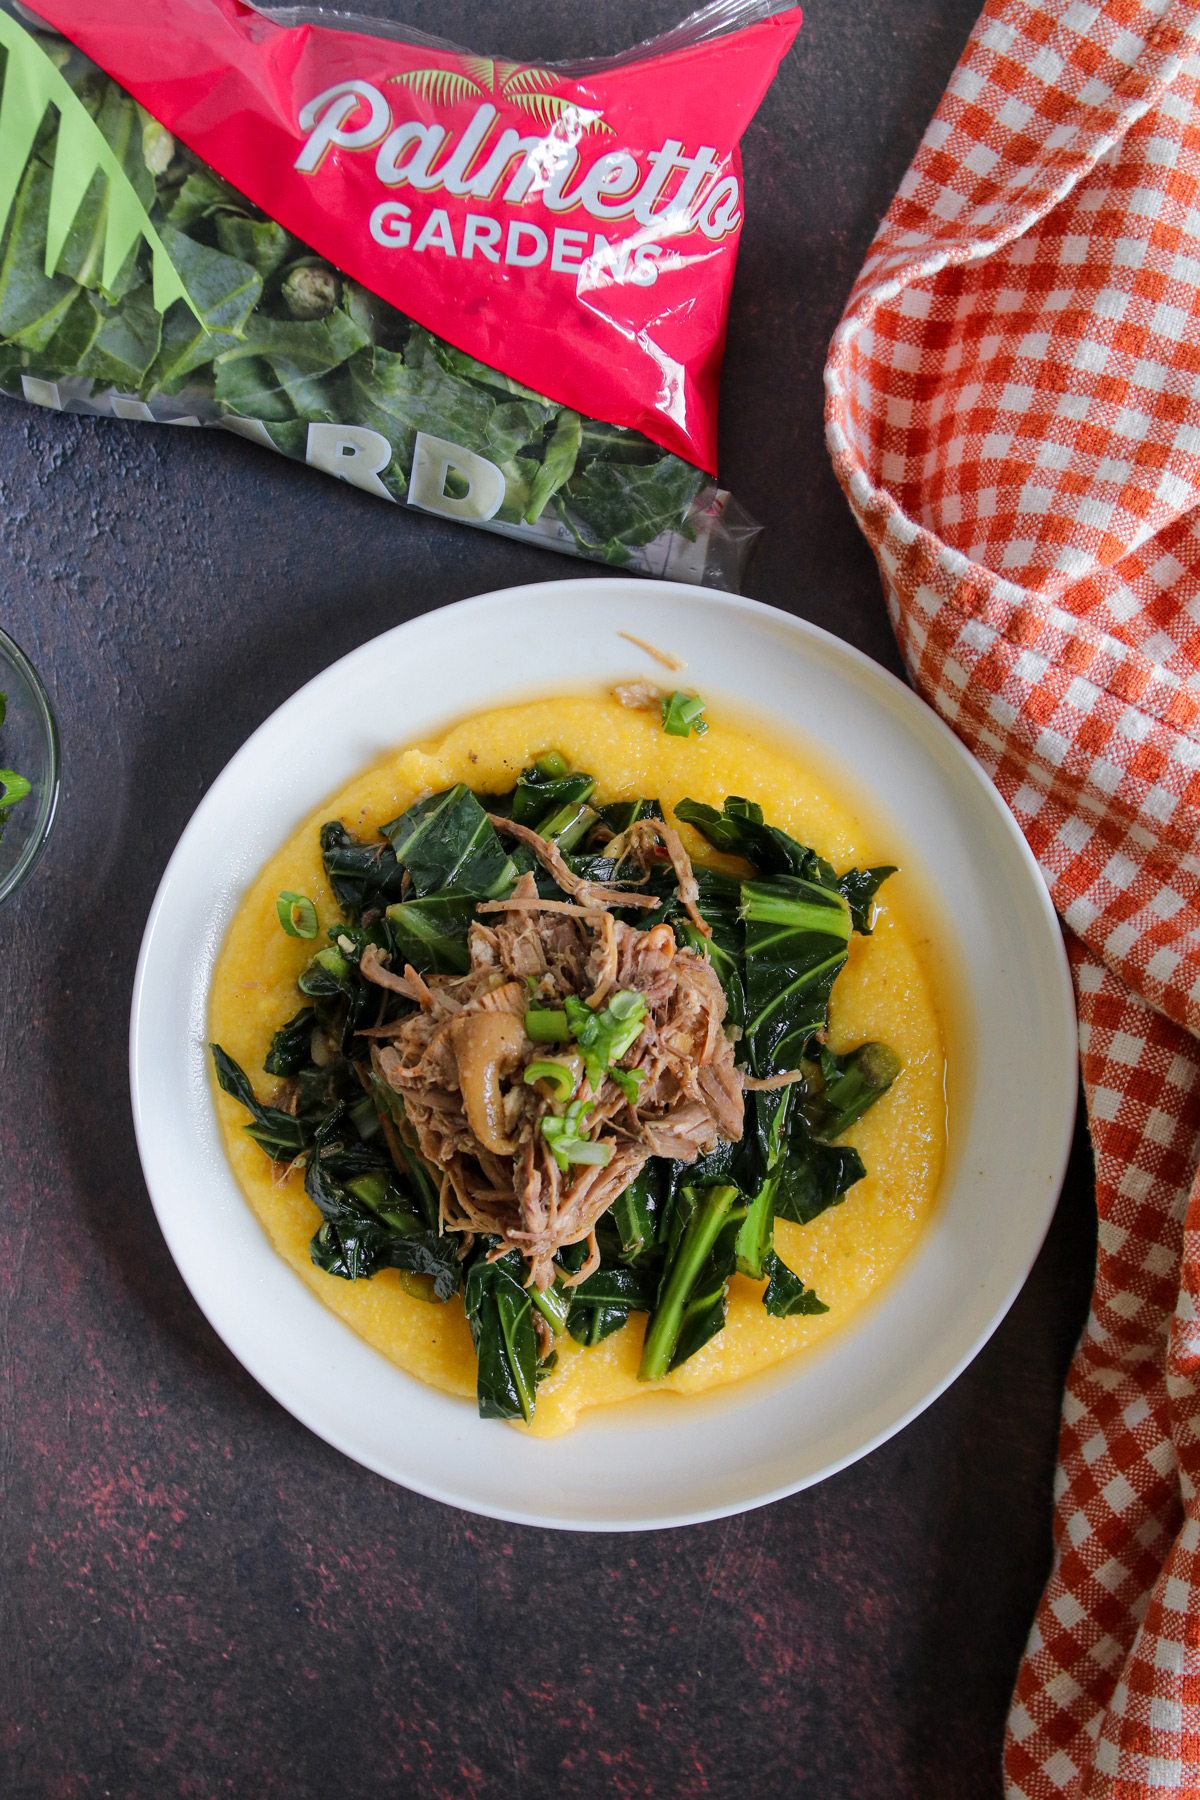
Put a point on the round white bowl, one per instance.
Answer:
(661, 1461)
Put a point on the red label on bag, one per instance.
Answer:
(577, 233)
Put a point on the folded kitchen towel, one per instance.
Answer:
(1014, 413)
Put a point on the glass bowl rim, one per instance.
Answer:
(39, 837)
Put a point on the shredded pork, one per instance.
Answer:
(586, 893)
(459, 1062)
(641, 845)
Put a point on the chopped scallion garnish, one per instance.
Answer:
(629, 1081)
(682, 713)
(567, 1142)
(582, 1150)
(13, 787)
(604, 1037)
(297, 915)
(556, 1075)
(546, 1025)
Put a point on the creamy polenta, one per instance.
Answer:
(886, 992)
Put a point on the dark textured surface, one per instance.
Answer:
(199, 1598)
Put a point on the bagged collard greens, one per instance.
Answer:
(491, 291)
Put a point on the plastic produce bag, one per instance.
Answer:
(494, 292)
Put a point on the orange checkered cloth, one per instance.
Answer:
(1014, 413)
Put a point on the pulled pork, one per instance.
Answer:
(459, 1063)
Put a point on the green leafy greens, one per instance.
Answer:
(676, 1234)
(130, 269)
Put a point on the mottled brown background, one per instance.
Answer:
(200, 1599)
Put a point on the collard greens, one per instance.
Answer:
(215, 314)
(672, 1240)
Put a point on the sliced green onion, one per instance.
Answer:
(297, 915)
(605, 1036)
(682, 713)
(567, 1145)
(567, 1149)
(557, 1134)
(13, 787)
(546, 1025)
(582, 1150)
(629, 1081)
(627, 1036)
(552, 764)
(556, 1074)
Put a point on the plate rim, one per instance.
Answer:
(926, 722)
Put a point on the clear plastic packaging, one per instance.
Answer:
(383, 256)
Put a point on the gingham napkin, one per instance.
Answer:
(1014, 412)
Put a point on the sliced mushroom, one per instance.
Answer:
(486, 1046)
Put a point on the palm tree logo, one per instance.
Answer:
(530, 89)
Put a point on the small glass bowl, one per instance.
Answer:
(29, 746)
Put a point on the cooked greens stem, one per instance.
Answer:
(700, 1235)
(553, 1304)
(798, 915)
(757, 1235)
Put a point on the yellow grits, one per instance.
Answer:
(886, 992)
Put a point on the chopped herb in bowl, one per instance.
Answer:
(13, 787)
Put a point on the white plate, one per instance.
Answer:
(660, 1461)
